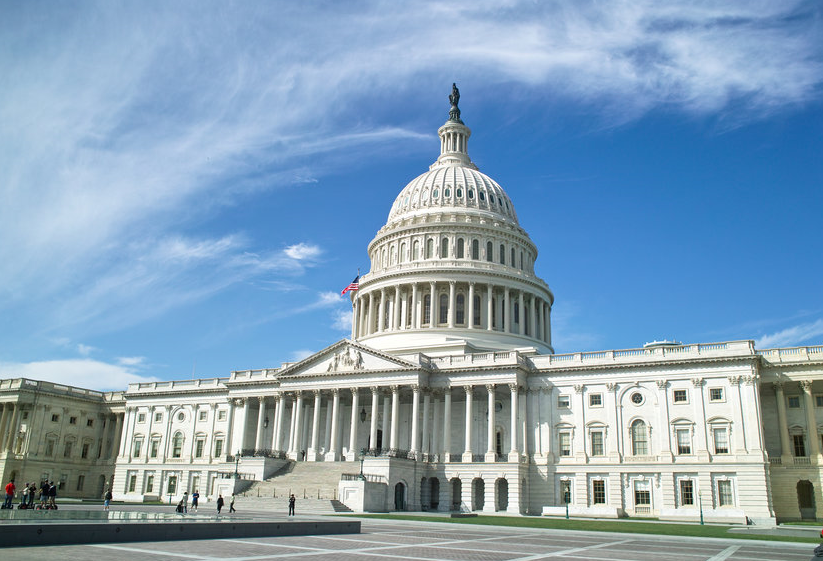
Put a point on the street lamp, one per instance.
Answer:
(236, 464)
(700, 500)
(362, 457)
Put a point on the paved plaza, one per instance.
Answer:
(426, 541)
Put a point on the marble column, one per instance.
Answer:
(395, 413)
(311, 455)
(521, 314)
(375, 396)
(396, 308)
(335, 414)
(811, 422)
(432, 305)
(447, 424)
(532, 319)
(470, 318)
(507, 311)
(117, 436)
(11, 430)
(425, 431)
(381, 311)
(298, 421)
(785, 439)
(467, 449)
(355, 405)
(278, 429)
(490, 309)
(452, 305)
(491, 454)
(370, 316)
(415, 433)
(514, 453)
(415, 312)
(261, 421)
(384, 442)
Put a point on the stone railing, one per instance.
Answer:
(481, 359)
(205, 383)
(793, 354)
(261, 453)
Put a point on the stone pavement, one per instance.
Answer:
(426, 541)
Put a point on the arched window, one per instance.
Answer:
(403, 254)
(429, 248)
(521, 260)
(502, 254)
(444, 308)
(427, 307)
(475, 249)
(460, 249)
(526, 322)
(489, 251)
(416, 250)
(177, 445)
(444, 248)
(393, 258)
(460, 309)
(516, 313)
(476, 310)
(383, 258)
(640, 439)
(513, 263)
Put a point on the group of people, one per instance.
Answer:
(183, 505)
(47, 497)
(221, 502)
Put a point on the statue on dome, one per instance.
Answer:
(454, 99)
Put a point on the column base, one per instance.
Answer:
(467, 457)
(490, 457)
(312, 456)
(331, 456)
(350, 456)
(514, 457)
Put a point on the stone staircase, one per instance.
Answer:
(314, 485)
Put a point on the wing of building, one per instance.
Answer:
(450, 393)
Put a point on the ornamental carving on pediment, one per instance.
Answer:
(348, 359)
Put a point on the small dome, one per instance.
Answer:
(452, 187)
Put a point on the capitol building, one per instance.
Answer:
(450, 393)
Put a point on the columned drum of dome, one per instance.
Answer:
(452, 269)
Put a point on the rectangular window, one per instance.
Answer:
(25, 415)
(642, 494)
(149, 483)
(794, 402)
(172, 486)
(138, 444)
(132, 482)
(72, 420)
(721, 441)
(50, 447)
(67, 449)
(716, 394)
(565, 444)
(195, 483)
(818, 400)
(201, 415)
(687, 492)
(84, 451)
(680, 396)
(563, 401)
(597, 443)
(154, 446)
(221, 415)
(158, 417)
(89, 422)
(799, 445)
(724, 493)
(141, 417)
(199, 444)
(81, 480)
(599, 492)
(596, 400)
(684, 441)
(218, 447)
(55, 418)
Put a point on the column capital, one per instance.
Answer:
(415, 388)
(316, 393)
(469, 390)
(750, 380)
(490, 388)
(261, 399)
(806, 386)
(334, 391)
(374, 390)
(734, 380)
(579, 388)
(354, 391)
(662, 384)
(611, 386)
(697, 382)
(395, 389)
(778, 386)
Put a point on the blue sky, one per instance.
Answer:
(185, 187)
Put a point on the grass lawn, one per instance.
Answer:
(629, 527)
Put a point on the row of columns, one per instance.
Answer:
(405, 310)
(811, 421)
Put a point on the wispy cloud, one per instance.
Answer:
(84, 373)
(792, 336)
(341, 320)
(300, 354)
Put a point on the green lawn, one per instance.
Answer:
(692, 530)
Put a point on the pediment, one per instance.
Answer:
(346, 357)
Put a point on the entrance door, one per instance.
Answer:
(805, 499)
(399, 497)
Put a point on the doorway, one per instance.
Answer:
(399, 497)
(805, 499)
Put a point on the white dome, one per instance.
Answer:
(457, 187)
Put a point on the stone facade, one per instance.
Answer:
(449, 391)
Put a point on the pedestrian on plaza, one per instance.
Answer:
(292, 500)
(32, 492)
(195, 497)
(186, 502)
(52, 495)
(44, 494)
(107, 499)
(231, 504)
(10, 489)
(24, 496)
(219, 503)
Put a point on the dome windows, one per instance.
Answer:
(459, 193)
(436, 193)
(447, 192)
(470, 193)
(482, 196)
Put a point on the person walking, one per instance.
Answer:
(219, 503)
(52, 495)
(32, 492)
(292, 500)
(107, 499)
(24, 496)
(44, 494)
(195, 498)
(231, 504)
(10, 488)
(186, 502)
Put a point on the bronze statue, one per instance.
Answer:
(454, 99)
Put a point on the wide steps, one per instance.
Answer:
(307, 480)
(281, 505)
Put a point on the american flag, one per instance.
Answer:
(353, 285)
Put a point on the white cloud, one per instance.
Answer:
(132, 361)
(792, 336)
(300, 354)
(85, 350)
(302, 251)
(83, 373)
(341, 320)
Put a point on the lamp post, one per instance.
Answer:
(700, 501)
(362, 457)
(236, 464)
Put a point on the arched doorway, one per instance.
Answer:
(399, 497)
(457, 491)
(434, 498)
(425, 493)
(502, 494)
(805, 499)
(101, 485)
(478, 494)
